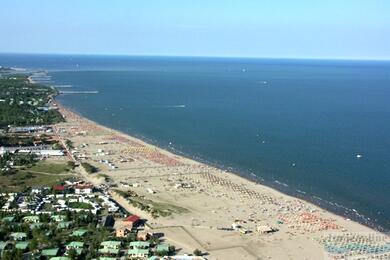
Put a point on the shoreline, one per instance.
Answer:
(303, 224)
(314, 200)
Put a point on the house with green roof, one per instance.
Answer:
(140, 244)
(8, 219)
(58, 218)
(162, 248)
(64, 225)
(18, 236)
(79, 232)
(36, 226)
(76, 245)
(31, 219)
(111, 244)
(50, 252)
(21, 245)
(110, 247)
(3, 245)
(137, 253)
(108, 251)
(60, 258)
(138, 249)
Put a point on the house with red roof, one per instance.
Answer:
(59, 187)
(132, 221)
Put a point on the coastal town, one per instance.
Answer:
(73, 189)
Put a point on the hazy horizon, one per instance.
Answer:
(351, 30)
(196, 56)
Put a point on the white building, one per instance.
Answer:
(83, 189)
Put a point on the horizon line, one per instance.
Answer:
(200, 56)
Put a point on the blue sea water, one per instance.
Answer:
(295, 125)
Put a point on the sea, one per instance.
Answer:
(315, 129)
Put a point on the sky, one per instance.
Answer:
(339, 29)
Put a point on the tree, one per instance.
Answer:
(197, 252)
(172, 250)
(72, 253)
(161, 253)
(71, 165)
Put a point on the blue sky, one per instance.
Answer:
(351, 29)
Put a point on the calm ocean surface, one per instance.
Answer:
(295, 125)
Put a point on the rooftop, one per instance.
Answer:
(50, 252)
(132, 218)
(21, 245)
(139, 244)
(110, 243)
(75, 244)
(79, 232)
(138, 251)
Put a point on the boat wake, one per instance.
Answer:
(175, 106)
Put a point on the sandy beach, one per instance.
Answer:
(204, 202)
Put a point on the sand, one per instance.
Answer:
(212, 199)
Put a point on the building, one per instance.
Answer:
(162, 248)
(64, 225)
(58, 218)
(187, 257)
(108, 221)
(18, 236)
(49, 152)
(38, 189)
(143, 235)
(36, 226)
(264, 229)
(83, 189)
(137, 253)
(8, 219)
(79, 232)
(110, 247)
(59, 188)
(132, 221)
(140, 244)
(21, 245)
(122, 232)
(3, 245)
(31, 219)
(50, 252)
(76, 245)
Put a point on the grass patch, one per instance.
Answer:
(50, 167)
(156, 209)
(79, 205)
(105, 176)
(89, 168)
(43, 173)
